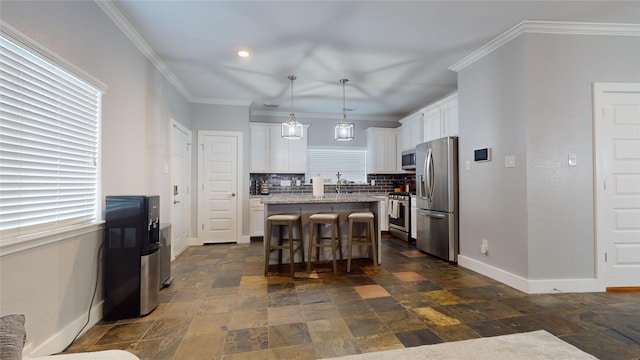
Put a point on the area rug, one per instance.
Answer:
(525, 346)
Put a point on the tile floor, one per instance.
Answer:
(220, 306)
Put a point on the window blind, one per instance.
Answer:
(352, 164)
(49, 123)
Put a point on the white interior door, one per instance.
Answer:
(617, 151)
(218, 189)
(180, 188)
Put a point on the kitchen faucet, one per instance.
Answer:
(340, 182)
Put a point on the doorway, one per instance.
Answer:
(219, 186)
(617, 183)
(180, 188)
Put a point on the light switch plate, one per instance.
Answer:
(510, 161)
(572, 160)
(467, 165)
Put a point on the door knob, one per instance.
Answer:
(176, 202)
(233, 194)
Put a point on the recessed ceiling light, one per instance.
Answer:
(243, 53)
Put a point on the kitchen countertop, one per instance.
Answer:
(327, 198)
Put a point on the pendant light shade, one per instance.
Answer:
(344, 130)
(291, 129)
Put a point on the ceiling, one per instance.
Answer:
(395, 54)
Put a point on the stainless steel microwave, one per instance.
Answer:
(409, 160)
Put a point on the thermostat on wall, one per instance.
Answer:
(482, 154)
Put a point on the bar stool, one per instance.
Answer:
(316, 221)
(284, 243)
(369, 239)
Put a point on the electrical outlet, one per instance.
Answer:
(484, 248)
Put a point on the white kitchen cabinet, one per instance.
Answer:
(260, 135)
(256, 218)
(441, 118)
(411, 132)
(414, 218)
(272, 153)
(381, 151)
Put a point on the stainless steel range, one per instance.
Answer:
(399, 209)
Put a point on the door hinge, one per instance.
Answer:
(605, 257)
(202, 226)
(604, 183)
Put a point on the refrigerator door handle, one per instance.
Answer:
(423, 190)
(432, 215)
(430, 175)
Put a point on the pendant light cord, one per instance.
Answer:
(292, 77)
(344, 106)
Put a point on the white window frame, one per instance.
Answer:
(23, 237)
(328, 171)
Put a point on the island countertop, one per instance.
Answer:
(341, 204)
(326, 199)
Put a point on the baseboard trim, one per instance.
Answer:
(60, 340)
(546, 286)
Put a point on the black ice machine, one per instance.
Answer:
(131, 258)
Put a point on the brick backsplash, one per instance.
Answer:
(384, 183)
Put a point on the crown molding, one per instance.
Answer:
(213, 101)
(285, 114)
(130, 32)
(547, 27)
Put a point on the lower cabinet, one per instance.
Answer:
(256, 218)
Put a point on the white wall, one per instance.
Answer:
(532, 98)
(52, 284)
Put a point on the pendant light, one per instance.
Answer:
(291, 129)
(344, 130)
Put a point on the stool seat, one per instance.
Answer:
(361, 215)
(324, 217)
(368, 239)
(318, 241)
(284, 217)
(290, 221)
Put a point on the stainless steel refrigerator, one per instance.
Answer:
(437, 198)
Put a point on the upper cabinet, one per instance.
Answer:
(272, 153)
(410, 132)
(441, 118)
(381, 151)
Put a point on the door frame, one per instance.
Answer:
(176, 126)
(239, 177)
(599, 90)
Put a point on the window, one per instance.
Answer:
(49, 137)
(352, 164)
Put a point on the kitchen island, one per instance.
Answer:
(306, 205)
